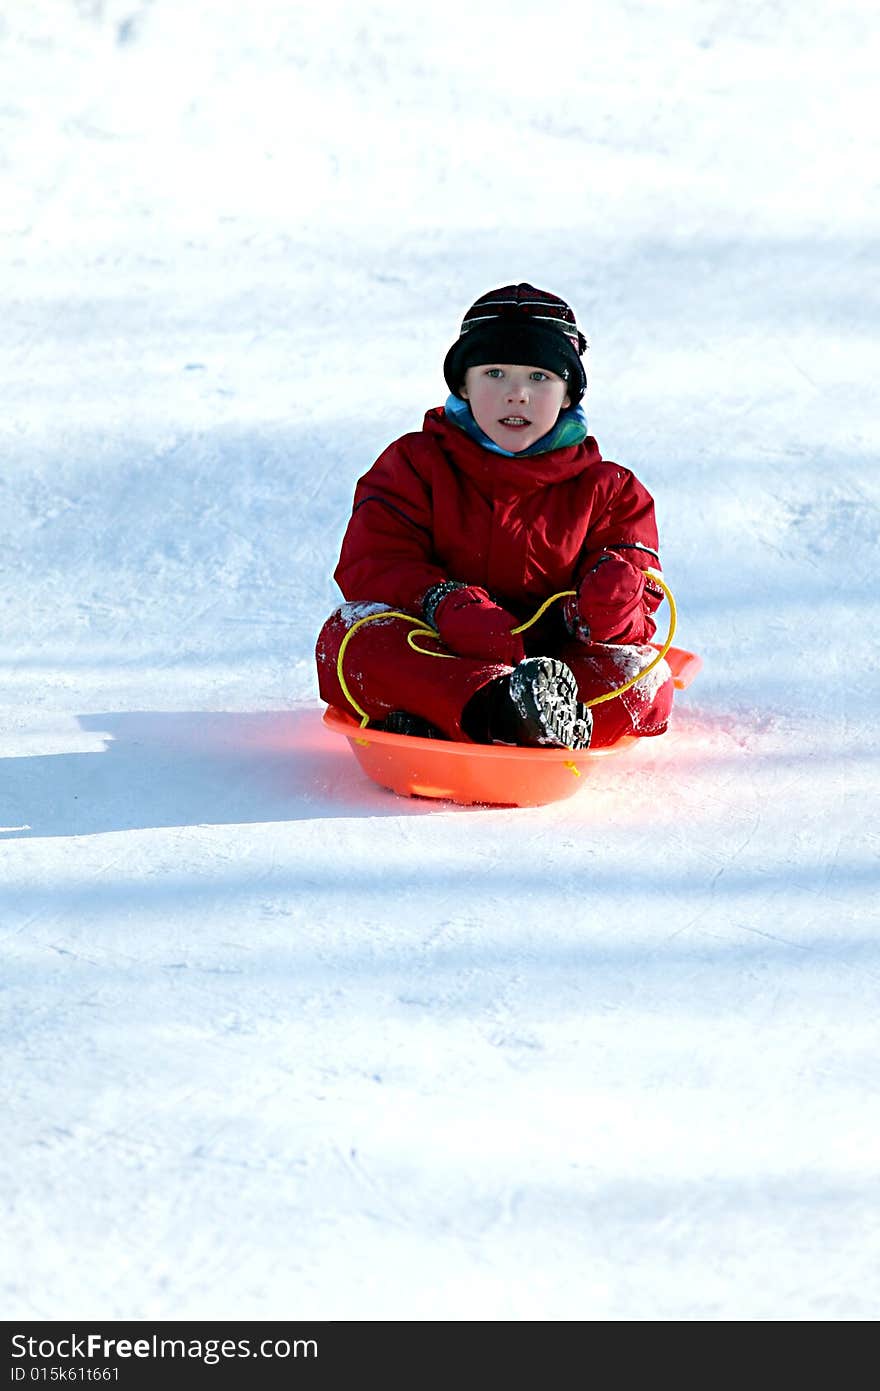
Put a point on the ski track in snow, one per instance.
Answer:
(276, 1043)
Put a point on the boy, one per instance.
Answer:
(501, 501)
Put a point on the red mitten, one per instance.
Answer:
(608, 606)
(472, 626)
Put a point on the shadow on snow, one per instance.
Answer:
(190, 769)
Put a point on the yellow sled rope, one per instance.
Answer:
(419, 626)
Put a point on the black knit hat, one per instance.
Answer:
(523, 325)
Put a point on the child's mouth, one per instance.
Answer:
(514, 422)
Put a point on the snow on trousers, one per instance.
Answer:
(383, 673)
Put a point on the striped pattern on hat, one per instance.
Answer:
(538, 305)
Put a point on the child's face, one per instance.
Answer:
(512, 404)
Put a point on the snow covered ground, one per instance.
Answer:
(275, 1043)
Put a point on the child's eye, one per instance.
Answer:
(494, 372)
(539, 377)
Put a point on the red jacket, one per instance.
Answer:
(437, 506)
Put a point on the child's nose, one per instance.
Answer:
(518, 391)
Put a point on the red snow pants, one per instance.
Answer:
(384, 673)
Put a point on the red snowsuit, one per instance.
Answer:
(437, 506)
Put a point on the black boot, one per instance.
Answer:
(402, 722)
(535, 706)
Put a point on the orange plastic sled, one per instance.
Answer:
(487, 774)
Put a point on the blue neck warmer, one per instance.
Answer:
(570, 428)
